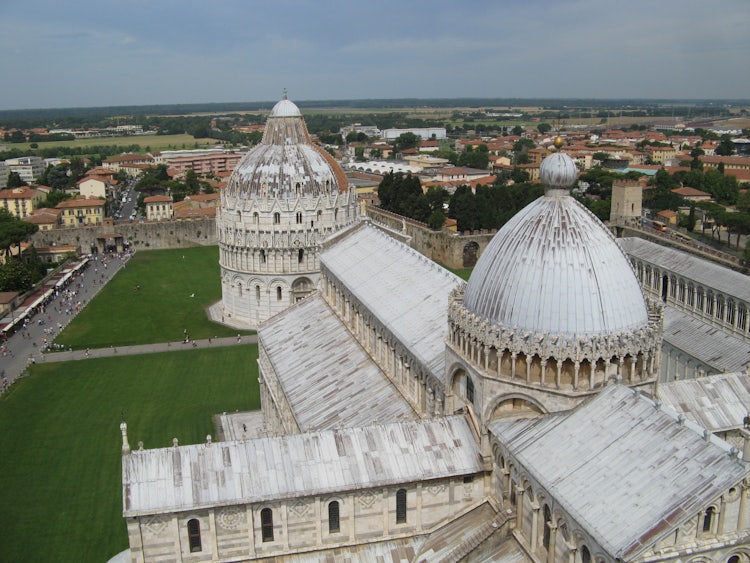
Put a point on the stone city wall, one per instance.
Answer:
(454, 250)
(140, 235)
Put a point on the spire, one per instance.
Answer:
(285, 96)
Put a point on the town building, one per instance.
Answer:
(82, 211)
(45, 218)
(29, 168)
(158, 207)
(93, 186)
(21, 201)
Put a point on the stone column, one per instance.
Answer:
(743, 507)
(552, 542)
(534, 537)
(519, 508)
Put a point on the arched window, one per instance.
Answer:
(300, 255)
(276, 218)
(547, 523)
(262, 256)
(585, 554)
(194, 534)
(299, 217)
(401, 506)
(470, 390)
(278, 293)
(266, 524)
(257, 292)
(708, 519)
(333, 517)
(734, 559)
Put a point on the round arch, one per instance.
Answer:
(514, 405)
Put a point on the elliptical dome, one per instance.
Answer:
(286, 164)
(555, 268)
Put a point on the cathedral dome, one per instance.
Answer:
(286, 164)
(554, 268)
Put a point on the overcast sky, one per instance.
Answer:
(85, 53)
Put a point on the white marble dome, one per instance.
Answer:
(558, 171)
(286, 164)
(554, 268)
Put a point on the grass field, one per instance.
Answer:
(153, 142)
(61, 493)
(160, 310)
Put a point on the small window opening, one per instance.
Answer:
(266, 524)
(194, 535)
(401, 506)
(333, 517)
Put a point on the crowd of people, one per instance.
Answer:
(34, 329)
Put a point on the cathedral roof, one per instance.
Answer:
(297, 465)
(407, 292)
(286, 164)
(622, 449)
(311, 334)
(555, 268)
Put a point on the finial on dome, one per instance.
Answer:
(558, 172)
(559, 142)
(284, 97)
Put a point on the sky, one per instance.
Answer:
(85, 53)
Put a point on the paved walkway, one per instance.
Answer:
(147, 348)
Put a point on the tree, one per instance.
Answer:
(517, 130)
(436, 220)
(478, 157)
(519, 175)
(544, 128)
(192, 184)
(726, 146)
(463, 208)
(403, 194)
(406, 141)
(13, 231)
(14, 181)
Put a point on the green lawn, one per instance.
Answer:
(160, 310)
(153, 142)
(61, 493)
(462, 273)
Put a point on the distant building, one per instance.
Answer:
(425, 133)
(158, 207)
(29, 168)
(93, 186)
(82, 211)
(202, 162)
(692, 194)
(45, 218)
(20, 201)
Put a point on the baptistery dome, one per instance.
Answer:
(286, 164)
(555, 268)
(284, 197)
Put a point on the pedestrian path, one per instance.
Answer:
(148, 348)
